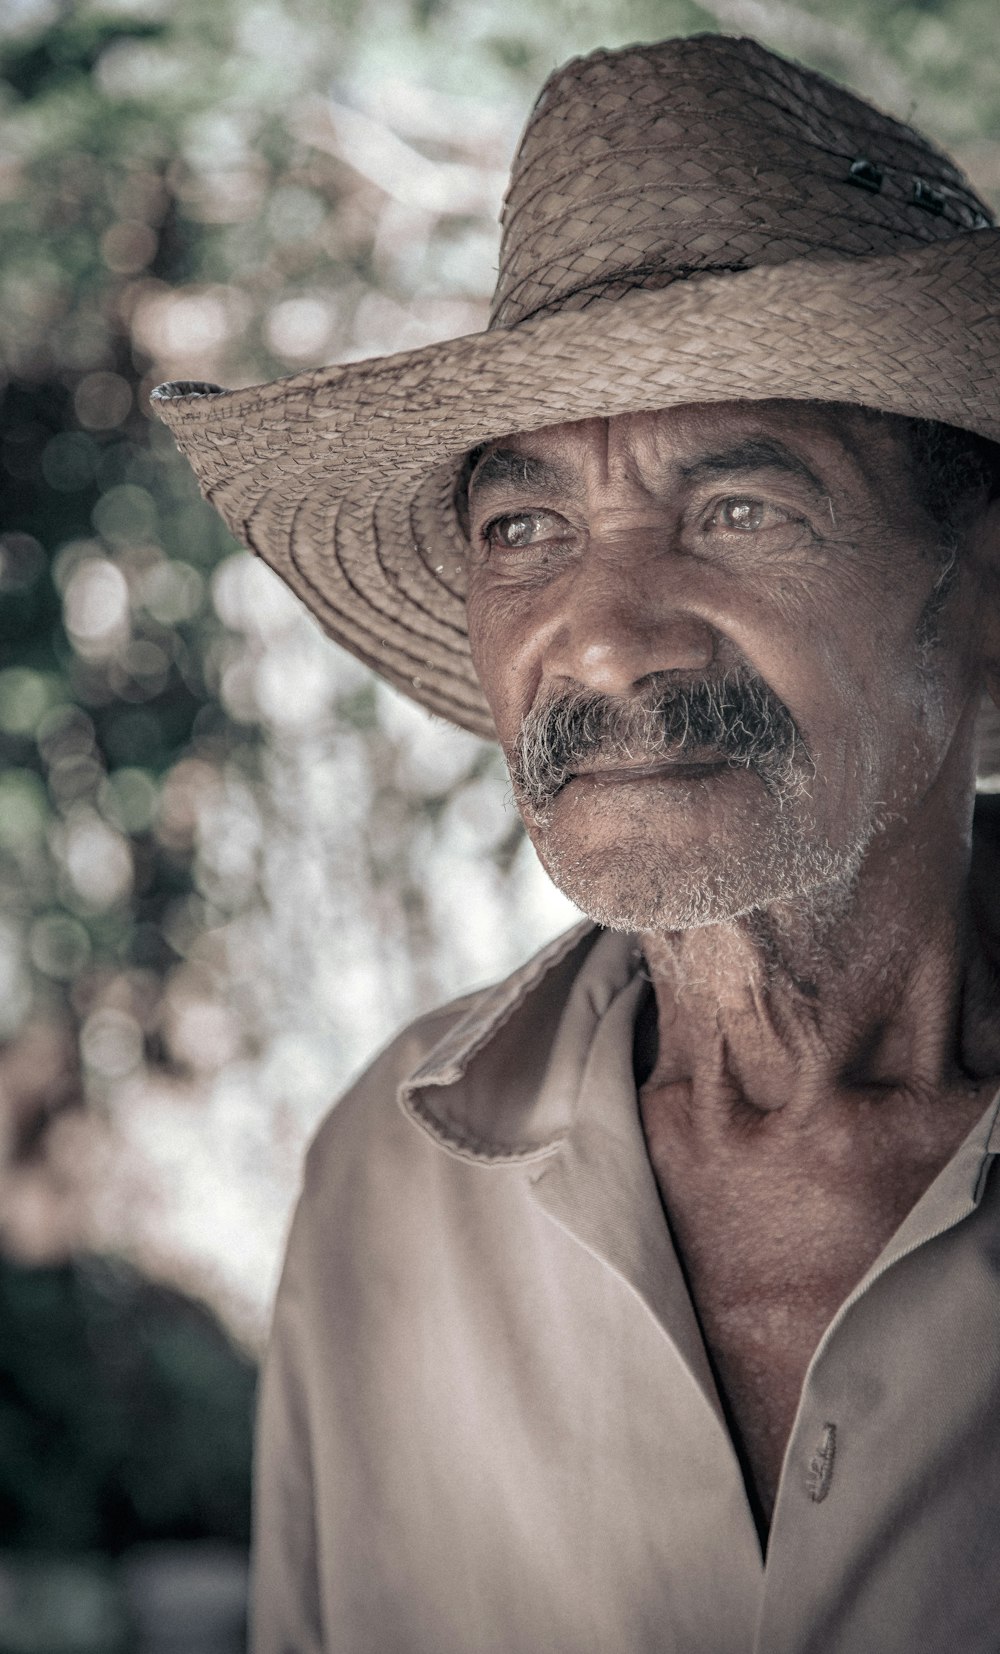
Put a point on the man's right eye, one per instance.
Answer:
(523, 528)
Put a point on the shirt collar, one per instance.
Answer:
(503, 1083)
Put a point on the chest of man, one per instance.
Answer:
(775, 1223)
(549, 1469)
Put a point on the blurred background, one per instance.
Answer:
(231, 862)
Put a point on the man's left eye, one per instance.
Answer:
(746, 516)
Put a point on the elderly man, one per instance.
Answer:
(649, 1300)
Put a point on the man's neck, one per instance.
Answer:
(883, 989)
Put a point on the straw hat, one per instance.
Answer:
(697, 220)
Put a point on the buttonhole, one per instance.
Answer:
(820, 1472)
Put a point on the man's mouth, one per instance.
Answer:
(659, 769)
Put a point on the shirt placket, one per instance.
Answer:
(600, 1189)
(889, 1400)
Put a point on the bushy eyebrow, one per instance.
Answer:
(505, 468)
(754, 454)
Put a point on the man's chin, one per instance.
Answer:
(645, 887)
(634, 895)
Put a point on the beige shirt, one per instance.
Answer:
(488, 1424)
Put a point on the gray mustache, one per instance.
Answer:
(736, 719)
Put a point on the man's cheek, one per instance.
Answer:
(502, 666)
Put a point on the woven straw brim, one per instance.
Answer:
(344, 479)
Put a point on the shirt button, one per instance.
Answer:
(819, 1472)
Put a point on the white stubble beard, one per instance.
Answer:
(645, 886)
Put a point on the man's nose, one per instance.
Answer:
(613, 630)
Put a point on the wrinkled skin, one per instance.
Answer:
(823, 1028)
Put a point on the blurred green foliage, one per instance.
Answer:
(125, 1442)
(125, 1413)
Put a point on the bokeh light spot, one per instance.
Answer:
(96, 606)
(141, 671)
(15, 985)
(293, 687)
(111, 1043)
(128, 799)
(23, 808)
(102, 400)
(172, 592)
(98, 861)
(134, 70)
(65, 731)
(25, 697)
(295, 214)
(199, 1031)
(59, 946)
(187, 325)
(128, 247)
(300, 329)
(74, 778)
(126, 515)
(249, 597)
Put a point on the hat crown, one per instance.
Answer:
(647, 165)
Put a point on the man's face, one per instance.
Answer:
(718, 649)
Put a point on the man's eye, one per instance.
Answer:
(746, 516)
(524, 528)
